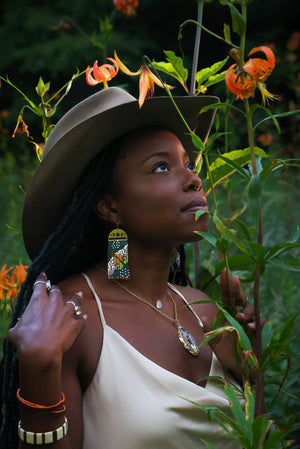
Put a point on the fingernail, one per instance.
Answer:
(80, 294)
(84, 317)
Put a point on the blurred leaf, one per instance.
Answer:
(254, 192)
(286, 264)
(222, 245)
(275, 116)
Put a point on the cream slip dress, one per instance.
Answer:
(133, 403)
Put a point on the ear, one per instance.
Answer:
(106, 209)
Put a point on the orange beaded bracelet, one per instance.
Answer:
(44, 407)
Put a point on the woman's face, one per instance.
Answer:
(157, 190)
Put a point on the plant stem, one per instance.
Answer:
(259, 395)
(210, 180)
(250, 136)
(196, 47)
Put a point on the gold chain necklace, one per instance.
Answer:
(184, 336)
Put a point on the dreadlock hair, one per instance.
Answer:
(77, 243)
(73, 247)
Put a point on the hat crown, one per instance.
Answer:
(97, 103)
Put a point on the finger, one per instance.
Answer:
(41, 284)
(74, 304)
(247, 314)
(237, 292)
(55, 291)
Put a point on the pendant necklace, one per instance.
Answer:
(184, 336)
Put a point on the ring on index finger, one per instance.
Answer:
(47, 284)
(77, 308)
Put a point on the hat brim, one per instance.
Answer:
(67, 154)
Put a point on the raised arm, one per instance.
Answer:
(49, 394)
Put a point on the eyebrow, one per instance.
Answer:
(162, 153)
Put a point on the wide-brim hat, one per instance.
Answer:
(82, 133)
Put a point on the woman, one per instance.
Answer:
(107, 362)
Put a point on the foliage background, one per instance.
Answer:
(36, 42)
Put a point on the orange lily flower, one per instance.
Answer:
(11, 280)
(102, 74)
(3, 279)
(127, 7)
(255, 72)
(259, 68)
(242, 89)
(147, 80)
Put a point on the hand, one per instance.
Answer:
(48, 327)
(234, 297)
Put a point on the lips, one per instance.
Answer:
(195, 205)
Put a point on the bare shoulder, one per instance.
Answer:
(202, 303)
(84, 354)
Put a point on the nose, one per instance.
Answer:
(192, 181)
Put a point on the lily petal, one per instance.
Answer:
(88, 77)
(243, 88)
(123, 67)
(260, 68)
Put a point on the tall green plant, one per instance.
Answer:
(242, 79)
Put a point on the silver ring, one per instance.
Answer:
(77, 308)
(47, 284)
(55, 289)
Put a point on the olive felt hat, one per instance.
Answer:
(82, 133)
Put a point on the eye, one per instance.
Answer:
(190, 166)
(161, 167)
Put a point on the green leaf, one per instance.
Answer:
(238, 22)
(245, 342)
(278, 434)
(286, 264)
(266, 334)
(254, 192)
(222, 245)
(227, 164)
(249, 404)
(226, 30)
(280, 248)
(208, 237)
(174, 67)
(224, 107)
(204, 74)
(244, 229)
(197, 142)
(214, 79)
(229, 233)
(237, 411)
(42, 88)
(275, 116)
(210, 446)
(260, 429)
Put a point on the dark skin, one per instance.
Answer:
(156, 204)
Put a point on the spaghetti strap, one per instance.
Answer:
(175, 290)
(89, 282)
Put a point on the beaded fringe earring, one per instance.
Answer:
(117, 255)
(175, 261)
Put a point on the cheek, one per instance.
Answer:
(144, 209)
